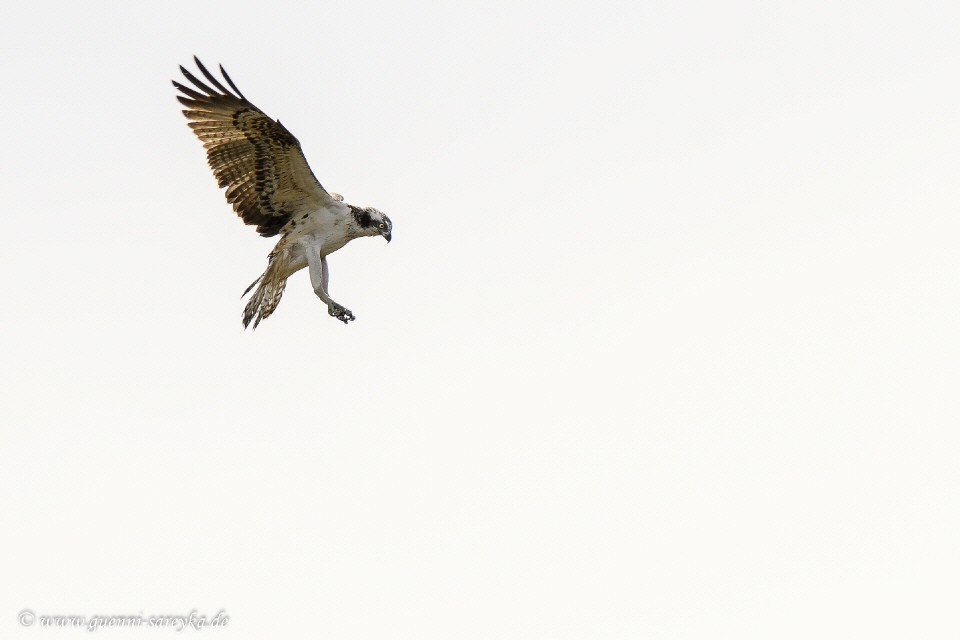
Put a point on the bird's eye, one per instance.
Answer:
(381, 225)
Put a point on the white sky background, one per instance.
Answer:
(665, 344)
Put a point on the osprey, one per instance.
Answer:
(270, 184)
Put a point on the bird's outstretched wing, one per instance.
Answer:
(259, 162)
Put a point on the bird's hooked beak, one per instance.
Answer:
(386, 234)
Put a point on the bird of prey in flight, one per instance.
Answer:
(270, 184)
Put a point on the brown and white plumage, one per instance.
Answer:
(270, 185)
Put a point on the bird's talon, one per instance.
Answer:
(340, 313)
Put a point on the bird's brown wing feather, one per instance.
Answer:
(260, 163)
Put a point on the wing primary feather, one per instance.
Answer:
(190, 92)
(195, 114)
(192, 78)
(209, 76)
(230, 82)
(196, 105)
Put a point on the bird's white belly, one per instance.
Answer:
(296, 247)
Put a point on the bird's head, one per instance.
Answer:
(373, 222)
(384, 226)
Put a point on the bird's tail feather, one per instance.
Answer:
(265, 297)
(247, 290)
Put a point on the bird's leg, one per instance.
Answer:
(320, 278)
(325, 276)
